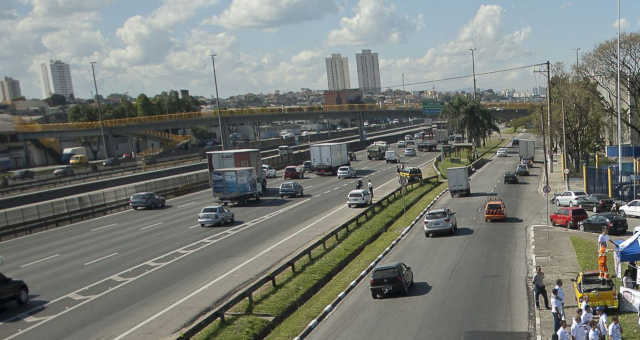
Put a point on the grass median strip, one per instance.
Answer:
(587, 256)
(295, 323)
(274, 302)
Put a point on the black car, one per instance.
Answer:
(391, 278)
(596, 203)
(307, 166)
(616, 223)
(63, 171)
(510, 178)
(13, 290)
(515, 142)
(146, 200)
(522, 170)
(23, 174)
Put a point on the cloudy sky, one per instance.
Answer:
(265, 45)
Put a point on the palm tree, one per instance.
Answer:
(471, 118)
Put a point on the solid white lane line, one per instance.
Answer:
(185, 205)
(197, 291)
(151, 226)
(100, 259)
(104, 227)
(40, 260)
(194, 226)
(326, 192)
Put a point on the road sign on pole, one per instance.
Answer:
(546, 189)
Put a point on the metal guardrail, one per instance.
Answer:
(247, 293)
(21, 126)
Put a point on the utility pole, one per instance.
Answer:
(549, 116)
(95, 84)
(404, 100)
(564, 150)
(544, 147)
(577, 65)
(618, 97)
(473, 65)
(215, 80)
(629, 112)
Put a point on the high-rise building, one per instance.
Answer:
(368, 71)
(56, 79)
(9, 89)
(338, 72)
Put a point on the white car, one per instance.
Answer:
(358, 197)
(439, 221)
(409, 152)
(346, 172)
(502, 153)
(269, 172)
(390, 156)
(569, 198)
(402, 144)
(215, 215)
(408, 137)
(630, 209)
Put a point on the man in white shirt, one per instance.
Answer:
(602, 321)
(562, 333)
(556, 309)
(594, 332)
(576, 319)
(615, 330)
(587, 316)
(579, 332)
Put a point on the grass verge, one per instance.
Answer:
(275, 302)
(587, 256)
(295, 323)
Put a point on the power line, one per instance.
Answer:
(468, 75)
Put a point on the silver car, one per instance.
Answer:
(215, 215)
(440, 221)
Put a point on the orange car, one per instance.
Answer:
(494, 210)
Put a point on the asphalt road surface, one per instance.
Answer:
(145, 274)
(469, 286)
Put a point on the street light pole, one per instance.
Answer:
(618, 98)
(95, 84)
(549, 116)
(564, 150)
(215, 80)
(577, 51)
(473, 65)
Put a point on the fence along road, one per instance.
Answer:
(109, 297)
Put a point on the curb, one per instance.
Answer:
(329, 308)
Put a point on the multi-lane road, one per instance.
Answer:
(468, 286)
(145, 274)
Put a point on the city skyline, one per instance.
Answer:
(158, 45)
(9, 89)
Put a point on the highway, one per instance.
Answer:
(468, 286)
(145, 274)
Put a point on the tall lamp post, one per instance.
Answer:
(473, 65)
(95, 84)
(215, 80)
(618, 99)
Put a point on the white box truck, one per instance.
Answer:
(241, 158)
(235, 185)
(326, 158)
(458, 179)
(441, 136)
(527, 149)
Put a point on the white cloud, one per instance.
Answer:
(271, 13)
(567, 4)
(495, 49)
(624, 24)
(374, 21)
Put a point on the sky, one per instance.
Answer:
(149, 46)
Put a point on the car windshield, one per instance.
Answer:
(286, 185)
(355, 195)
(494, 206)
(580, 193)
(210, 210)
(385, 273)
(436, 215)
(290, 169)
(343, 169)
(579, 212)
(141, 196)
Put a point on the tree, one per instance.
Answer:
(144, 107)
(600, 66)
(471, 118)
(82, 113)
(56, 100)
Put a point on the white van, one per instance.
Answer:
(390, 156)
(358, 197)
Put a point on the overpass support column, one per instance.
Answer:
(109, 142)
(27, 157)
(361, 126)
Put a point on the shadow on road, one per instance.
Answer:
(12, 312)
(364, 172)
(512, 220)
(482, 194)
(419, 288)
(463, 232)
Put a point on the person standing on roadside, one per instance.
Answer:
(602, 263)
(539, 288)
(602, 322)
(562, 332)
(615, 330)
(594, 331)
(587, 316)
(556, 309)
(580, 331)
(577, 320)
(370, 188)
(560, 296)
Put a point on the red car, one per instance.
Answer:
(293, 172)
(568, 217)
